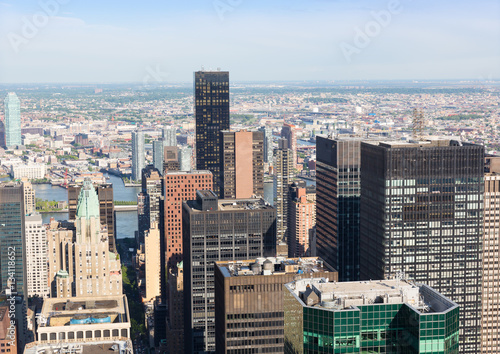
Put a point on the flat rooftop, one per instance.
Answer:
(428, 143)
(60, 311)
(193, 172)
(348, 295)
(275, 266)
(233, 204)
(97, 347)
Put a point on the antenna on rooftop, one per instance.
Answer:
(418, 124)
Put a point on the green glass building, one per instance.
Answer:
(389, 316)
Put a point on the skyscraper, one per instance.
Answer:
(151, 196)
(302, 219)
(216, 230)
(153, 262)
(179, 187)
(211, 109)
(490, 326)
(158, 155)
(288, 132)
(268, 144)
(337, 204)
(12, 239)
(387, 316)
(2, 135)
(12, 108)
(80, 263)
(138, 154)
(421, 213)
(283, 178)
(36, 256)
(169, 136)
(29, 198)
(242, 165)
(106, 208)
(185, 157)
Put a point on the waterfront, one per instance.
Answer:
(126, 221)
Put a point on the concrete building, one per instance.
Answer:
(387, 316)
(242, 164)
(106, 207)
(12, 239)
(283, 178)
(36, 256)
(175, 321)
(490, 326)
(421, 214)
(158, 155)
(80, 263)
(169, 136)
(288, 132)
(29, 198)
(153, 271)
(338, 201)
(302, 219)
(249, 301)
(211, 110)
(179, 187)
(150, 200)
(29, 171)
(138, 155)
(12, 109)
(84, 320)
(171, 158)
(216, 230)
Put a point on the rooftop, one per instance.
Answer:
(193, 172)
(272, 266)
(121, 345)
(233, 204)
(335, 296)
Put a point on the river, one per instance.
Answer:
(126, 221)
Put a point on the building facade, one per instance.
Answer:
(169, 136)
(12, 107)
(242, 164)
(211, 109)
(268, 144)
(283, 178)
(36, 256)
(490, 326)
(29, 171)
(158, 155)
(80, 263)
(422, 214)
(388, 316)
(185, 157)
(249, 301)
(288, 132)
(138, 155)
(150, 199)
(302, 219)
(338, 203)
(12, 238)
(218, 230)
(106, 208)
(175, 322)
(29, 198)
(180, 187)
(153, 271)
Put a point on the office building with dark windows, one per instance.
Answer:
(218, 230)
(211, 110)
(387, 316)
(283, 178)
(422, 215)
(249, 300)
(337, 204)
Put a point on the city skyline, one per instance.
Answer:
(153, 42)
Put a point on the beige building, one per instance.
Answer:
(152, 262)
(490, 342)
(80, 263)
(302, 219)
(29, 198)
(36, 256)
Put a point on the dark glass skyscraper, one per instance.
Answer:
(422, 214)
(337, 204)
(211, 109)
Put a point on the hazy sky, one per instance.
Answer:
(263, 40)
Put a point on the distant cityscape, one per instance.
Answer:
(297, 217)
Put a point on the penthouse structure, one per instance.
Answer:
(249, 300)
(218, 230)
(387, 316)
